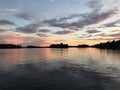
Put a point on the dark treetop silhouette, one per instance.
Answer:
(33, 47)
(109, 45)
(2, 46)
(83, 46)
(61, 45)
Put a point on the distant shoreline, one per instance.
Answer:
(63, 48)
(107, 45)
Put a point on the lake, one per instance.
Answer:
(59, 69)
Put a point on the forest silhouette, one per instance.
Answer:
(106, 45)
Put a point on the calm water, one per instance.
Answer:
(59, 69)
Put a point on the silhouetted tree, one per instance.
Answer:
(2, 46)
(61, 45)
(109, 45)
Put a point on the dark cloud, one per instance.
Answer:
(88, 19)
(112, 24)
(63, 32)
(62, 19)
(109, 35)
(25, 15)
(44, 30)
(115, 35)
(111, 38)
(96, 16)
(93, 31)
(6, 22)
(94, 4)
(85, 36)
(31, 28)
(61, 40)
(59, 22)
(73, 28)
(42, 35)
(50, 21)
(101, 34)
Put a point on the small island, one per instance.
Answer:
(33, 46)
(83, 46)
(61, 45)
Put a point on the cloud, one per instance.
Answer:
(35, 41)
(63, 32)
(115, 31)
(14, 38)
(96, 16)
(3, 30)
(109, 35)
(93, 31)
(85, 36)
(94, 4)
(112, 24)
(2, 13)
(60, 40)
(42, 35)
(11, 10)
(103, 38)
(5, 11)
(6, 22)
(11, 39)
(44, 30)
(31, 28)
(25, 15)
(115, 35)
(72, 28)
(102, 35)
(88, 19)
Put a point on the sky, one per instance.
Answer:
(45, 22)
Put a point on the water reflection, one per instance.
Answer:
(59, 69)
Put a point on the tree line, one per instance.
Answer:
(106, 45)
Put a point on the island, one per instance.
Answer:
(83, 46)
(61, 45)
(33, 46)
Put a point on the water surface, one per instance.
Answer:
(59, 69)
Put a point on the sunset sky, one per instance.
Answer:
(43, 22)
